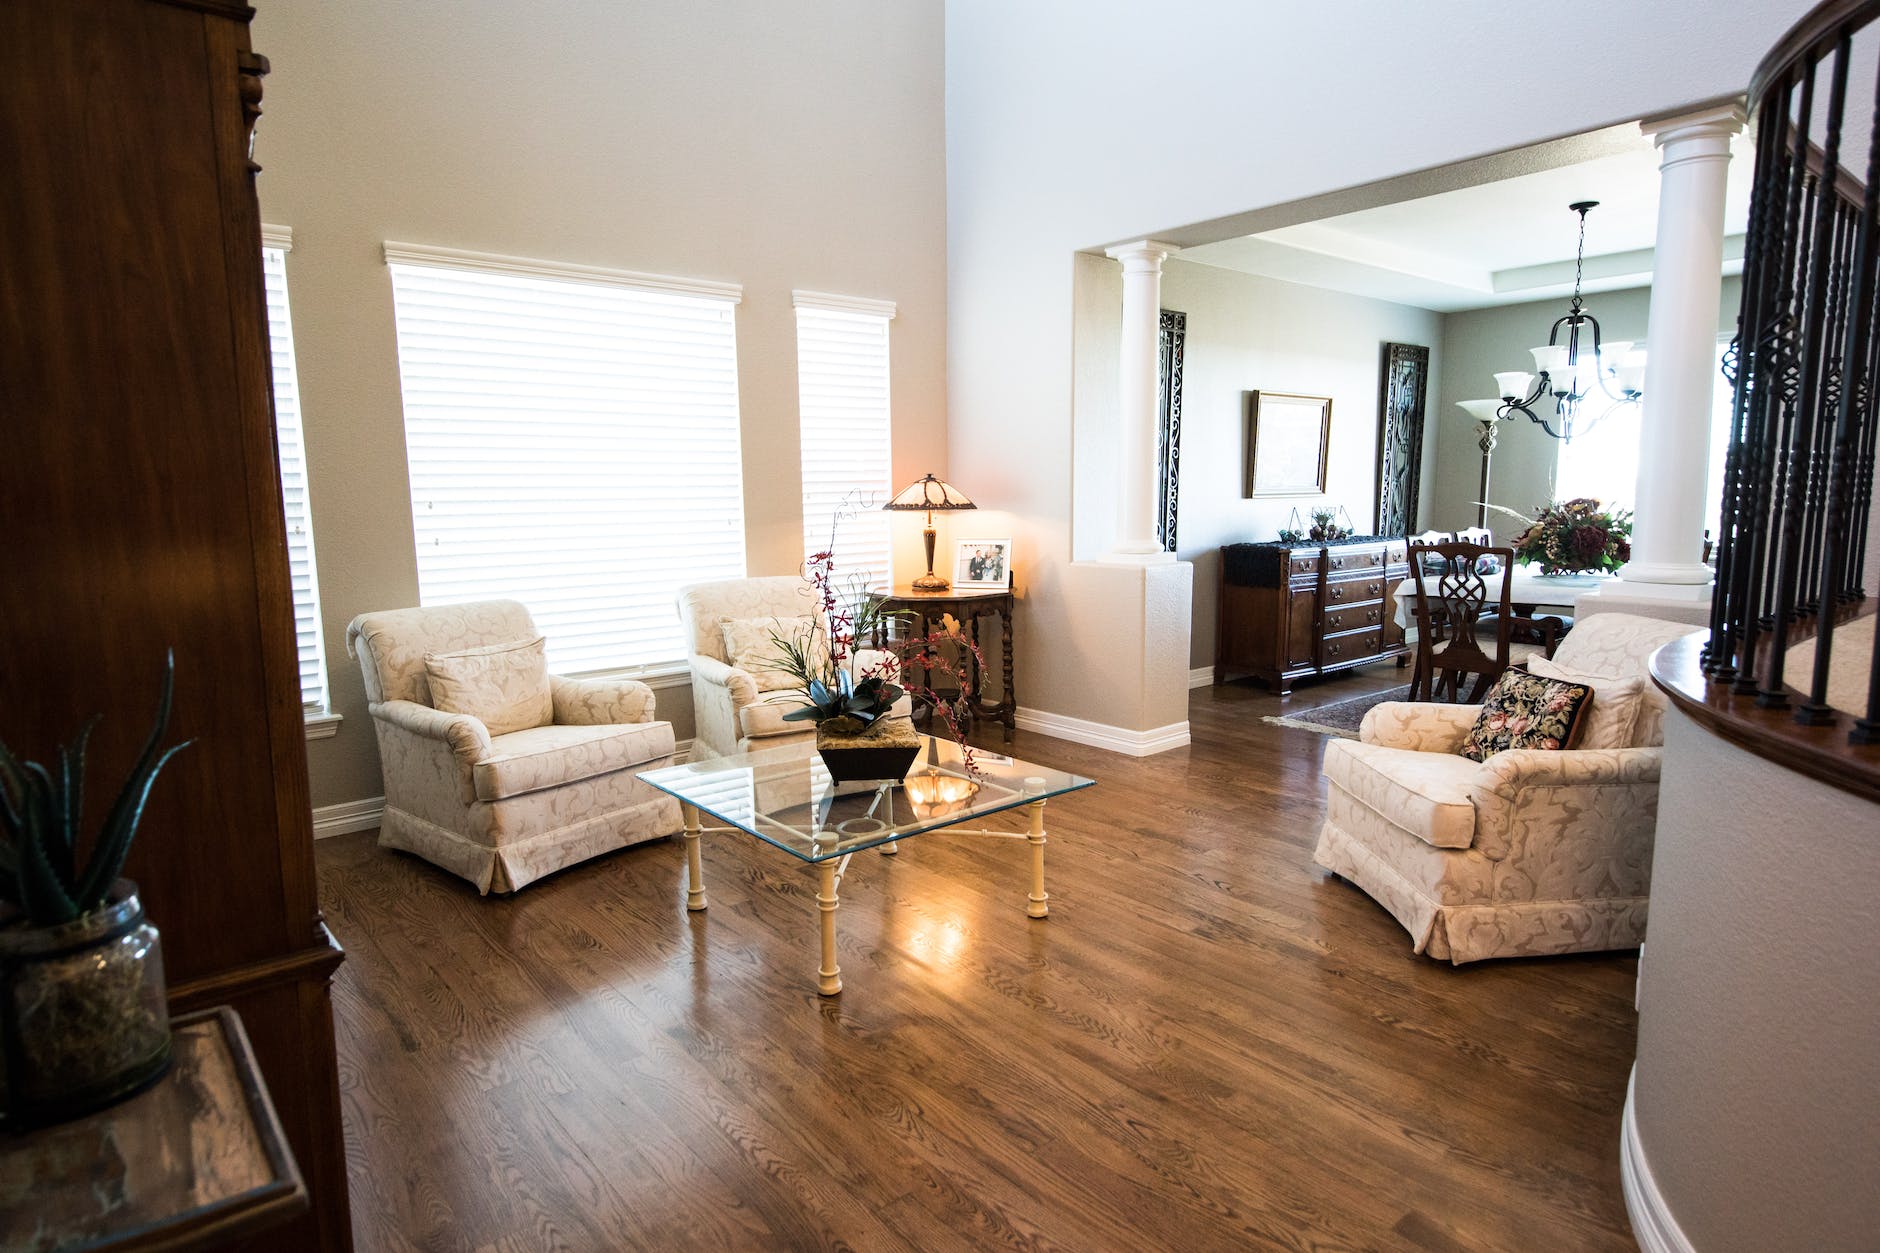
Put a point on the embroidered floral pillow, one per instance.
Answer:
(1526, 711)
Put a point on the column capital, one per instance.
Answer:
(1144, 254)
(1722, 120)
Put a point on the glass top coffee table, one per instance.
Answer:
(784, 797)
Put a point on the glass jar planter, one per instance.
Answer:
(84, 1021)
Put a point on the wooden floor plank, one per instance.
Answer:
(1209, 1044)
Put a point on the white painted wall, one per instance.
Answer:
(775, 146)
(1757, 1091)
(1244, 333)
(1071, 126)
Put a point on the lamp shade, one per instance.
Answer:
(930, 493)
(1480, 410)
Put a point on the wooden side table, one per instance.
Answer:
(967, 606)
(192, 1163)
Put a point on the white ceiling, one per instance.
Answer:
(1496, 243)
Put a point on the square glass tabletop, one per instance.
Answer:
(785, 797)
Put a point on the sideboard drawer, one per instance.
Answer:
(1305, 563)
(1354, 617)
(1353, 646)
(1351, 561)
(1353, 591)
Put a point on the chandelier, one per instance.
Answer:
(1569, 371)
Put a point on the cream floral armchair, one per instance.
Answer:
(504, 810)
(1529, 852)
(732, 715)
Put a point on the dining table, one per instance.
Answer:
(1528, 589)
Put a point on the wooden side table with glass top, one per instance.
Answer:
(966, 606)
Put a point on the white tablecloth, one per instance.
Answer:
(1526, 586)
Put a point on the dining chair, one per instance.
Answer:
(1455, 597)
(1475, 535)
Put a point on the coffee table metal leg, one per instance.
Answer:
(694, 870)
(1038, 904)
(829, 976)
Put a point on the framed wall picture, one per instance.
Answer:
(984, 563)
(1289, 438)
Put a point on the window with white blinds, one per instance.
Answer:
(293, 452)
(572, 436)
(842, 395)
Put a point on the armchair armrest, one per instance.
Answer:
(1518, 796)
(739, 683)
(1421, 726)
(467, 737)
(600, 702)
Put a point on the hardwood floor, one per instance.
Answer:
(1209, 1044)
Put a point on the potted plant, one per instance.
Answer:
(1574, 537)
(858, 735)
(83, 1017)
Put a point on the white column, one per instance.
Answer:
(1137, 396)
(1681, 360)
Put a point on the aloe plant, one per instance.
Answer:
(42, 810)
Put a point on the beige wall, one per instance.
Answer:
(1759, 1005)
(1480, 342)
(774, 146)
(1243, 333)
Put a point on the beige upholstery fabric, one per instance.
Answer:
(502, 811)
(528, 761)
(1427, 794)
(751, 646)
(503, 686)
(1560, 861)
(723, 693)
(1609, 722)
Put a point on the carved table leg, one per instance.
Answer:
(829, 975)
(694, 869)
(1038, 904)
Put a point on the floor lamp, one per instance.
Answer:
(1487, 432)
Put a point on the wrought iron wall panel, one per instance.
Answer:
(1798, 479)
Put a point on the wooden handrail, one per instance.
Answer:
(1822, 752)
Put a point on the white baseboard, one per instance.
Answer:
(1652, 1224)
(1201, 676)
(1102, 735)
(360, 815)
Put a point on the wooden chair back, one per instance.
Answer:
(1454, 595)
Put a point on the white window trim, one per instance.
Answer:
(320, 724)
(496, 263)
(848, 304)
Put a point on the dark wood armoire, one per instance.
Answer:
(140, 508)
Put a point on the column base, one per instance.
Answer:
(1676, 573)
(1126, 555)
(1671, 602)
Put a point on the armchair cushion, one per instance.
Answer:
(751, 648)
(504, 686)
(1526, 711)
(1427, 794)
(544, 757)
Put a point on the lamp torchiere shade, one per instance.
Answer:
(930, 494)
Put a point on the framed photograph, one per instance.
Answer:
(1289, 438)
(983, 563)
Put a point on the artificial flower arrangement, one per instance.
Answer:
(853, 713)
(1574, 537)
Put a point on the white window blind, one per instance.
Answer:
(573, 444)
(842, 394)
(293, 454)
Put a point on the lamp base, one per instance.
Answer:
(931, 582)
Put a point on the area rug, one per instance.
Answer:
(1342, 718)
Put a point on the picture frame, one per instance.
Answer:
(1289, 442)
(982, 563)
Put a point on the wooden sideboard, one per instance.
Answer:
(1287, 611)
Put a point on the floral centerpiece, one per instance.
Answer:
(850, 692)
(1574, 537)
